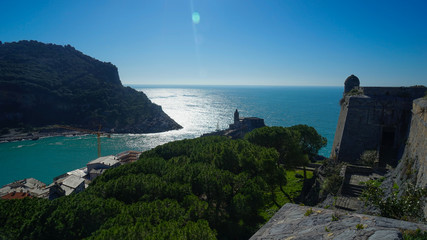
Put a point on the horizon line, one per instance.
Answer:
(219, 85)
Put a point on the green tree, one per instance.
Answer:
(311, 140)
(286, 141)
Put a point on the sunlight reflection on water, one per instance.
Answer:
(197, 109)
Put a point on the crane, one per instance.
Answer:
(97, 133)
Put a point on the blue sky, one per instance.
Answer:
(242, 42)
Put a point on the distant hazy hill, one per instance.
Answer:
(43, 84)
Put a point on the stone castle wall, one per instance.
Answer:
(409, 92)
(363, 122)
(376, 119)
(339, 130)
(357, 134)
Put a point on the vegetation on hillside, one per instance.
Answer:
(43, 84)
(204, 188)
(414, 235)
(369, 158)
(291, 142)
(407, 205)
(295, 145)
(191, 189)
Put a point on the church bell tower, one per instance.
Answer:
(236, 117)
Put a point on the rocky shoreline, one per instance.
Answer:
(15, 135)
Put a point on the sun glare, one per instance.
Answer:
(196, 17)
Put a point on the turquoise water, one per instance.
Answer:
(198, 109)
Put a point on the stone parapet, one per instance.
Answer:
(402, 92)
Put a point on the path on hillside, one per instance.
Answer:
(352, 187)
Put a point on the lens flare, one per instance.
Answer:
(196, 17)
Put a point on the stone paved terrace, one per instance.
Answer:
(291, 222)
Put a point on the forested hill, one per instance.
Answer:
(43, 84)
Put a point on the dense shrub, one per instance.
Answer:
(369, 158)
(406, 205)
(330, 171)
(295, 144)
(414, 235)
(332, 184)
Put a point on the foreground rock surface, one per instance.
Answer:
(301, 222)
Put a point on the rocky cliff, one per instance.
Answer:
(412, 168)
(43, 84)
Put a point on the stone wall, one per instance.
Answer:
(410, 92)
(339, 130)
(377, 119)
(301, 222)
(363, 121)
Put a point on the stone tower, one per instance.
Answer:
(236, 117)
(350, 83)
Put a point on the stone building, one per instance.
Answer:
(239, 127)
(249, 123)
(374, 118)
(30, 186)
(98, 166)
(128, 156)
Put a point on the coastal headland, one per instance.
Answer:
(46, 84)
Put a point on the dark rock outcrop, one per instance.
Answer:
(44, 84)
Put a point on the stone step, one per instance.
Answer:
(347, 203)
(355, 188)
(352, 190)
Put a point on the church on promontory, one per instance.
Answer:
(239, 127)
(247, 123)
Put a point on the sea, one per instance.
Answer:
(199, 109)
